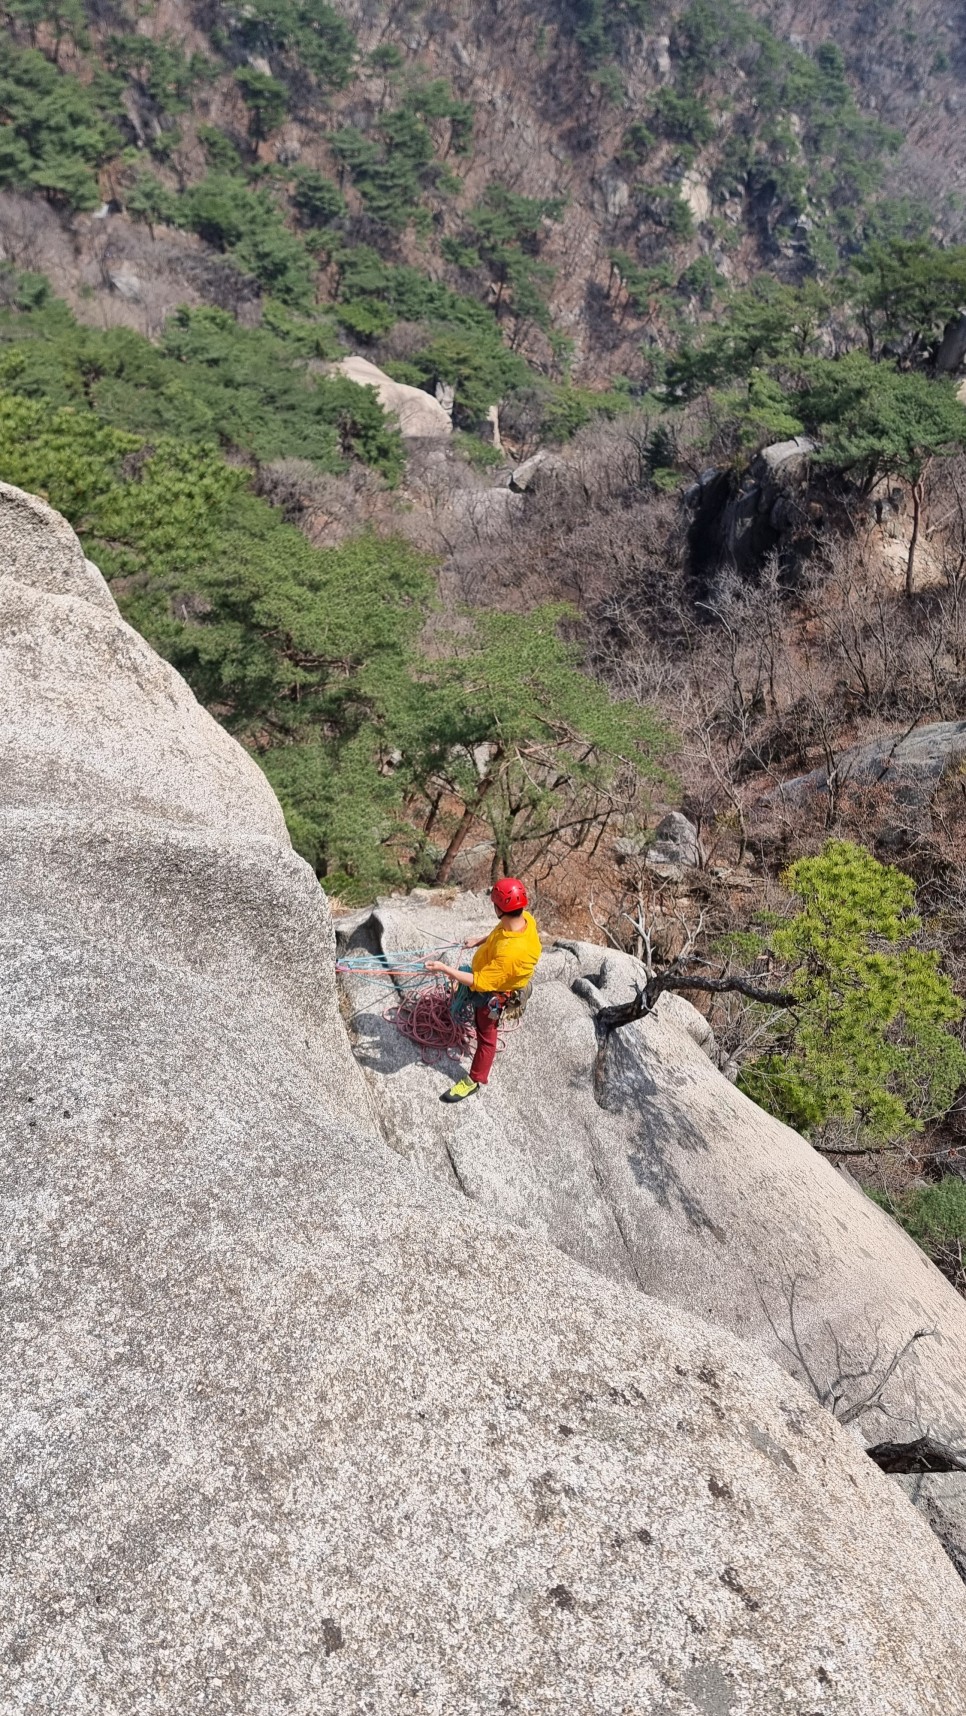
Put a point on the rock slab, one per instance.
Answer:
(641, 1161)
(287, 1425)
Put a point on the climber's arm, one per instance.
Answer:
(450, 971)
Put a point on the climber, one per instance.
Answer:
(503, 964)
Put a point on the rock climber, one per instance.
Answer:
(503, 965)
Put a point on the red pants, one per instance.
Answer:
(486, 1041)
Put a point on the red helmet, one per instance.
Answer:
(509, 895)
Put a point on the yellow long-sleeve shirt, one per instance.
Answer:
(507, 959)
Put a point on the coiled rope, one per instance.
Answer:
(438, 1022)
(424, 1009)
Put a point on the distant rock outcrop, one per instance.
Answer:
(288, 1424)
(907, 767)
(738, 525)
(419, 415)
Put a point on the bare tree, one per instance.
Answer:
(848, 1380)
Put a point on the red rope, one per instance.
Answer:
(423, 1016)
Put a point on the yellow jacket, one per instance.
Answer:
(506, 959)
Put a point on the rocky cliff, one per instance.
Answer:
(637, 1158)
(290, 1424)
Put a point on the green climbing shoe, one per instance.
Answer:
(458, 1092)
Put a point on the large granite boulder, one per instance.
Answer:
(418, 414)
(640, 1160)
(288, 1424)
(906, 767)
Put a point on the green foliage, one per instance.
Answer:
(266, 100)
(701, 280)
(935, 1217)
(757, 414)
(435, 100)
(393, 170)
(666, 207)
(53, 130)
(150, 201)
(144, 511)
(706, 34)
(906, 291)
(482, 455)
(161, 69)
(599, 26)
(311, 657)
(463, 348)
(63, 18)
(220, 151)
(872, 421)
(645, 287)
(317, 200)
(891, 218)
(556, 742)
(503, 235)
(387, 57)
(636, 144)
(868, 1045)
(209, 380)
(475, 364)
(765, 326)
(249, 227)
(548, 411)
(309, 34)
(391, 174)
(683, 118)
(342, 808)
(67, 456)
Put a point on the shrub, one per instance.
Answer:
(316, 199)
(310, 34)
(683, 118)
(636, 144)
(246, 388)
(935, 1217)
(266, 100)
(868, 1044)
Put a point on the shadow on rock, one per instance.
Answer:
(625, 1086)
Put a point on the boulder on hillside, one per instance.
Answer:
(908, 766)
(675, 843)
(738, 525)
(537, 472)
(639, 1159)
(419, 415)
(288, 1424)
(785, 461)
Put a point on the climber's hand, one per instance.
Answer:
(437, 965)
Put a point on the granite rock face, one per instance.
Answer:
(287, 1424)
(941, 1499)
(641, 1161)
(417, 413)
(908, 767)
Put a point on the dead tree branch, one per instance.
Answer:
(649, 993)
